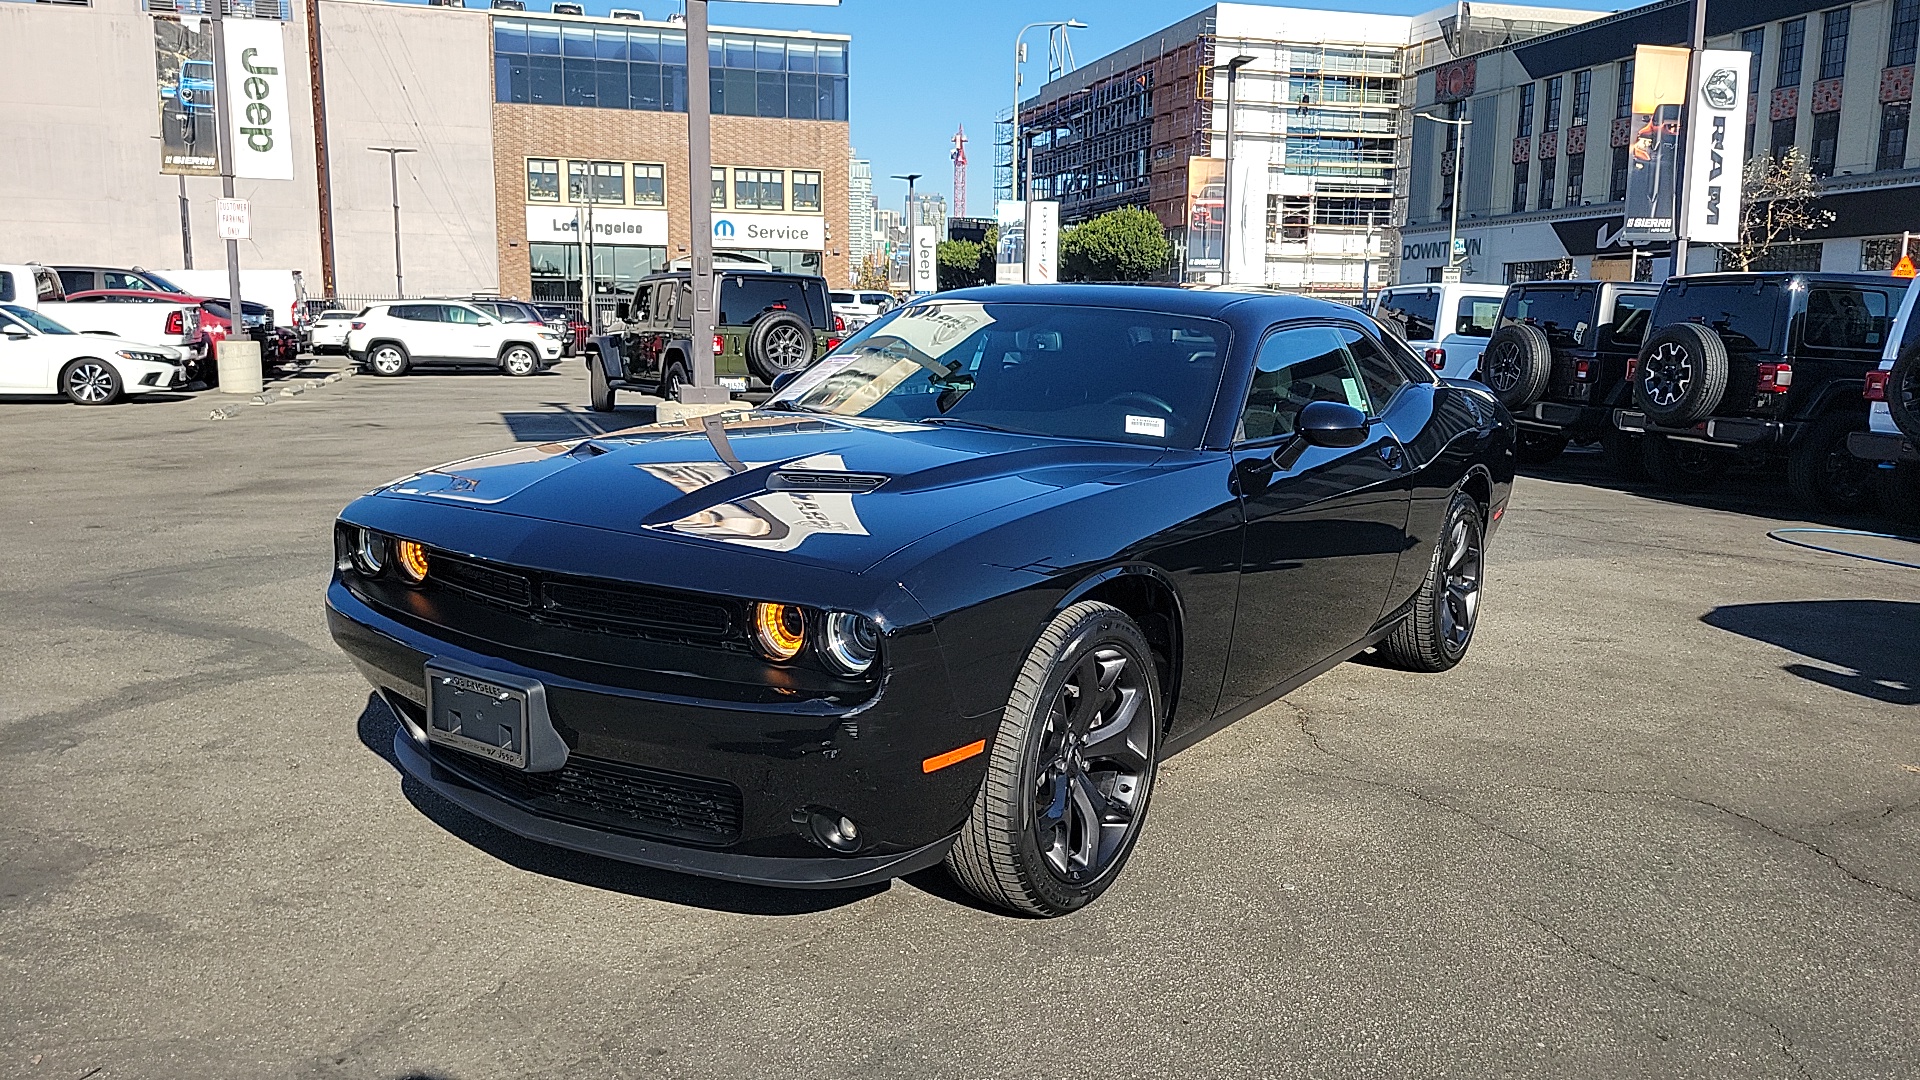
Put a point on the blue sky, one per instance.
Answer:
(922, 68)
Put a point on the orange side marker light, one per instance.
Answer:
(953, 757)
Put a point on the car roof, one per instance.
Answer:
(1756, 276)
(1200, 303)
(178, 298)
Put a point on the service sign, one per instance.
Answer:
(1716, 146)
(1043, 242)
(257, 112)
(189, 113)
(923, 275)
(769, 232)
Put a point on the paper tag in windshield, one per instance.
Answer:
(1147, 425)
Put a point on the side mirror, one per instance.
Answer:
(781, 380)
(1332, 424)
(620, 310)
(15, 331)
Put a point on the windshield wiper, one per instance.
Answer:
(958, 421)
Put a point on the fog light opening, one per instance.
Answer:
(834, 831)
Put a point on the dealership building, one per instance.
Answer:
(1546, 155)
(525, 132)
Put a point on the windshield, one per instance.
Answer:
(163, 284)
(1073, 372)
(35, 319)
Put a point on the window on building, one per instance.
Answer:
(1833, 42)
(1793, 42)
(1523, 128)
(1289, 217)
(649, 185)
(609, 183)
(1547, 168)
(719, 189)
(1754, 43)
(579, 181)
(543, 180)
(1617, 177)
(1583, 96)
(1826, 140)
(1623, 93)
(1576, 178)
(1551, 120)
(759, 189)
(1894, 118)
(1879, 254)
(1367, 211)
(1904, 33)
(1785, 131)
(806, 190)
(1540, 270)
(1520, 172)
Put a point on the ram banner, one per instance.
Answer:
(262, 123)
(183, 72)
(1716, 146)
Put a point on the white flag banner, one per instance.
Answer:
(256, 106)
(1716, 145)
(1043, 242)
(924, 275)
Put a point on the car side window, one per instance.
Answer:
(1417, 311)
(415, 312)
(1476, 316)
(459, 313)
(1294, 367)
(641, 310)
(1381, 376)
(73, 281)
(126, 281)
(1631, 313)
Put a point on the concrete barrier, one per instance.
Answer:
(240, 367)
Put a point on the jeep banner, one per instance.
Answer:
(183, 72)
(1716, 146)
(1659, 86)
(257, 100)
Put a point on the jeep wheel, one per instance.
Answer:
(1903, 393)
(780, 342)
(1538, 447)
(1683, 374)
(600, 392)
(1683, 466)
(1517, 364)
(672, 380)
(1822, 474)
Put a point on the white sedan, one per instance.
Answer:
(39, 356)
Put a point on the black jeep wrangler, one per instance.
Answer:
(1765, 365)
(1558, 360)
(766, 324)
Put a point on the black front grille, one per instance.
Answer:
(610, 794)
(482, 581)
(636, 607)
(588, 604)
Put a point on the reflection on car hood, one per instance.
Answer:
(829, 491)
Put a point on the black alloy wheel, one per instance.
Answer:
(779, 342)
(1517, 364)
(88, 381)
(1071, 772)
(1682, 375)
(1623, 454)
(1446, 611)
(1898, 490)
(1667, 375)
(1822, 474)
(1538, 447)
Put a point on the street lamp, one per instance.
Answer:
(909, 178)
(1233, 67)
(1020, 54)
(393, 176)
(1459, 161)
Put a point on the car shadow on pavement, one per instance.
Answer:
(565, 422)
(376, 728)
(1751, 489)
(1877, 642)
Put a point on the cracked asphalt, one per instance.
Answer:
(1661, 823)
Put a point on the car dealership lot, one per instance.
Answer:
(1659, 823)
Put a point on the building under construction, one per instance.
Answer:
(1318, 128)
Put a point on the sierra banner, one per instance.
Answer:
(1716, 146)
(257, 99)
(1206, 214)
(183, 73)
(1653, 166)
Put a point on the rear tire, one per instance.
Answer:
(88, 381)
(1067, 787)
(388, 360)
(672, 380)
(1437, 632)
(1538, 447)
(1517, 364)
(1683, 466)
(1682, 375)
(519, 361)
(1903, 393)
(600, 392)
(1822, 474)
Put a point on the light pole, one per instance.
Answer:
(1233, 67)
(1459, 166)
(1019, 55)
(909, 178)
(393, 176)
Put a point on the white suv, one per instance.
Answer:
(1886, 443)
(391, 338)
(1447, 324)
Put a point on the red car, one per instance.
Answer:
(277, 345)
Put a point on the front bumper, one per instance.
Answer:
(863, 762)
(1882, 446)
(1716, 430)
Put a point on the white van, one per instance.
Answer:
(1448, 324)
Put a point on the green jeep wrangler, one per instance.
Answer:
(766, 325)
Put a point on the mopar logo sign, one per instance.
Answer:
(723, 227)
(1436, 249)
(772, 232)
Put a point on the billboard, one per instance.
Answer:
(183, 75)
(1659, 87)
(924, 276)
(257, 100)
(1043, 242)
(1206, 214)
(1010, 255)
(1716, 146)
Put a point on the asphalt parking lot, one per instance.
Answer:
(1662, 822)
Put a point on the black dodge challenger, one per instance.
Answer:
(950, 595)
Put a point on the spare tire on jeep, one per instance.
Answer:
(779, 342)
(1682, 376)
(1517, 363)
(1903, 392)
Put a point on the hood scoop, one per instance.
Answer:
(825, 480)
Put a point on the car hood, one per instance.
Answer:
(832, 492)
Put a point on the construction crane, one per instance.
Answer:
(959, 156)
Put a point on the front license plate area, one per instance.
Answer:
(477, 716)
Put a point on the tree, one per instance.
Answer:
(1128, 244)
(873, 274)
(1782, 205)
(958, 264)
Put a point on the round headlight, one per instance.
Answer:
(370, 552)
(411, 557)
(780, 629)
(849, 642)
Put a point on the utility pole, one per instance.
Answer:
(393, 176)
(704, 390)
(1696, 41)
(322, 153)
(225, 142)
(186, 225)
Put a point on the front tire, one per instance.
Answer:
(600, 392)
(519, 361)
(88, 381)
(1071, 771)
(388, 360)
(1436, 633)
(1822, 474)
(672, 380)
